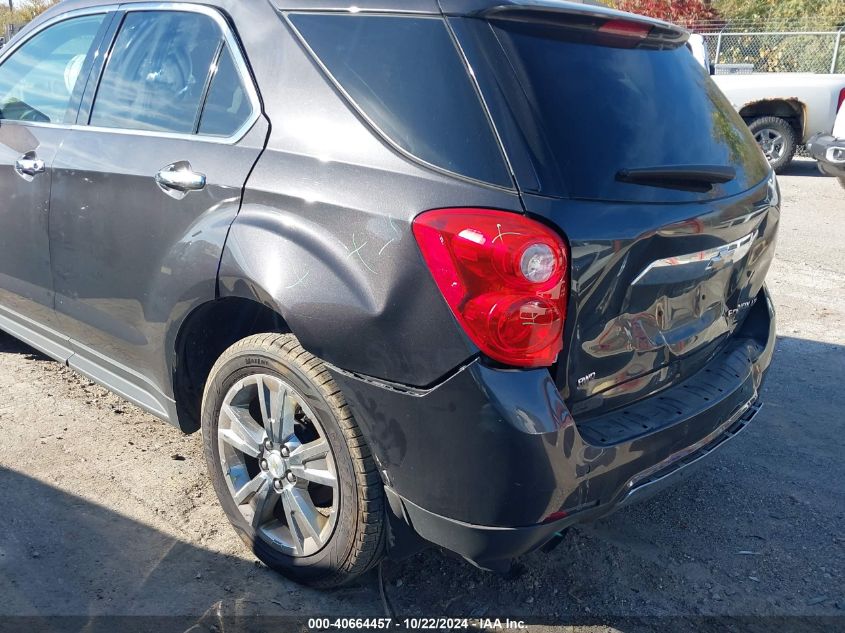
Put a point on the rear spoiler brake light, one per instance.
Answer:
(604, 26)
(626, 28)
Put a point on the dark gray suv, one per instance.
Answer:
(461, 272)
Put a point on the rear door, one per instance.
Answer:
(40, 81)
(619, 137)
(146, 186)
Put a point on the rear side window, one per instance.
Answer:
(227, 107)
(157, 73)
(406, 76)
(598, 110)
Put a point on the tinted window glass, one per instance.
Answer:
(227, 107)
(406, 75)
(38, 79)
(157, 72)
(598, 110)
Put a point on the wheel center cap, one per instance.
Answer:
(276, 465)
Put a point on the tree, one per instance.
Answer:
(22, 12)
(686, 12)
(683, 12)
(829, 11)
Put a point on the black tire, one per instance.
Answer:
(782, 127)
(357, 541)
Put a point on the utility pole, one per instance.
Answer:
(11, 8)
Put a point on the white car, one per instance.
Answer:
(783, 110)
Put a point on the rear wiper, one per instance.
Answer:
(699, 178)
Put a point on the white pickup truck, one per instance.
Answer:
(783, 110)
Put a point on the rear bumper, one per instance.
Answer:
(494, 547)
(829, 151)
(491, 464)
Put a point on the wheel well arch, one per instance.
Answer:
(205, 334)
(790, 109)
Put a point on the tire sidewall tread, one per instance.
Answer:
(357, 543)
(785, 128)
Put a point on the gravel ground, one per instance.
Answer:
(106, 511)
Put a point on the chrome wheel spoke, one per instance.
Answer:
(302, 517)
(318, 449)
(249, 489)
(288, 412)
(321, 476)
(270, 396)
(265, 502)
(243, 434)
(301, 463)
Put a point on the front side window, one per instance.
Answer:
(156, 76)
(38, 80)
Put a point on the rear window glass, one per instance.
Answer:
(406, 76)
(600, 110)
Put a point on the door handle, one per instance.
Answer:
(179, 179)
(28, 166)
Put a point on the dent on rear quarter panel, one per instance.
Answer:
(324, 236)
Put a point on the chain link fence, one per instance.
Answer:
(774, 47)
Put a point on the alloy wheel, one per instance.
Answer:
(278, 465)
(771, 142)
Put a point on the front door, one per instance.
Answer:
(145, 188)
(38, 94)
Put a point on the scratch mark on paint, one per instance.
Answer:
(395, 230)
(529, 319)
(501, 236)
(357, 252)
(299, 281)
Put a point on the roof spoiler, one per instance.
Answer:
(614, 27)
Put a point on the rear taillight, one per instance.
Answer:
(505, 277)
(841, 99)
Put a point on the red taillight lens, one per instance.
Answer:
(841, 99)
(506, 278)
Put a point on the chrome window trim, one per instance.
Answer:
(228, 35)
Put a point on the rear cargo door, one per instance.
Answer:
(621, 140)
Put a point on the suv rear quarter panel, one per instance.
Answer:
(324, 235)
